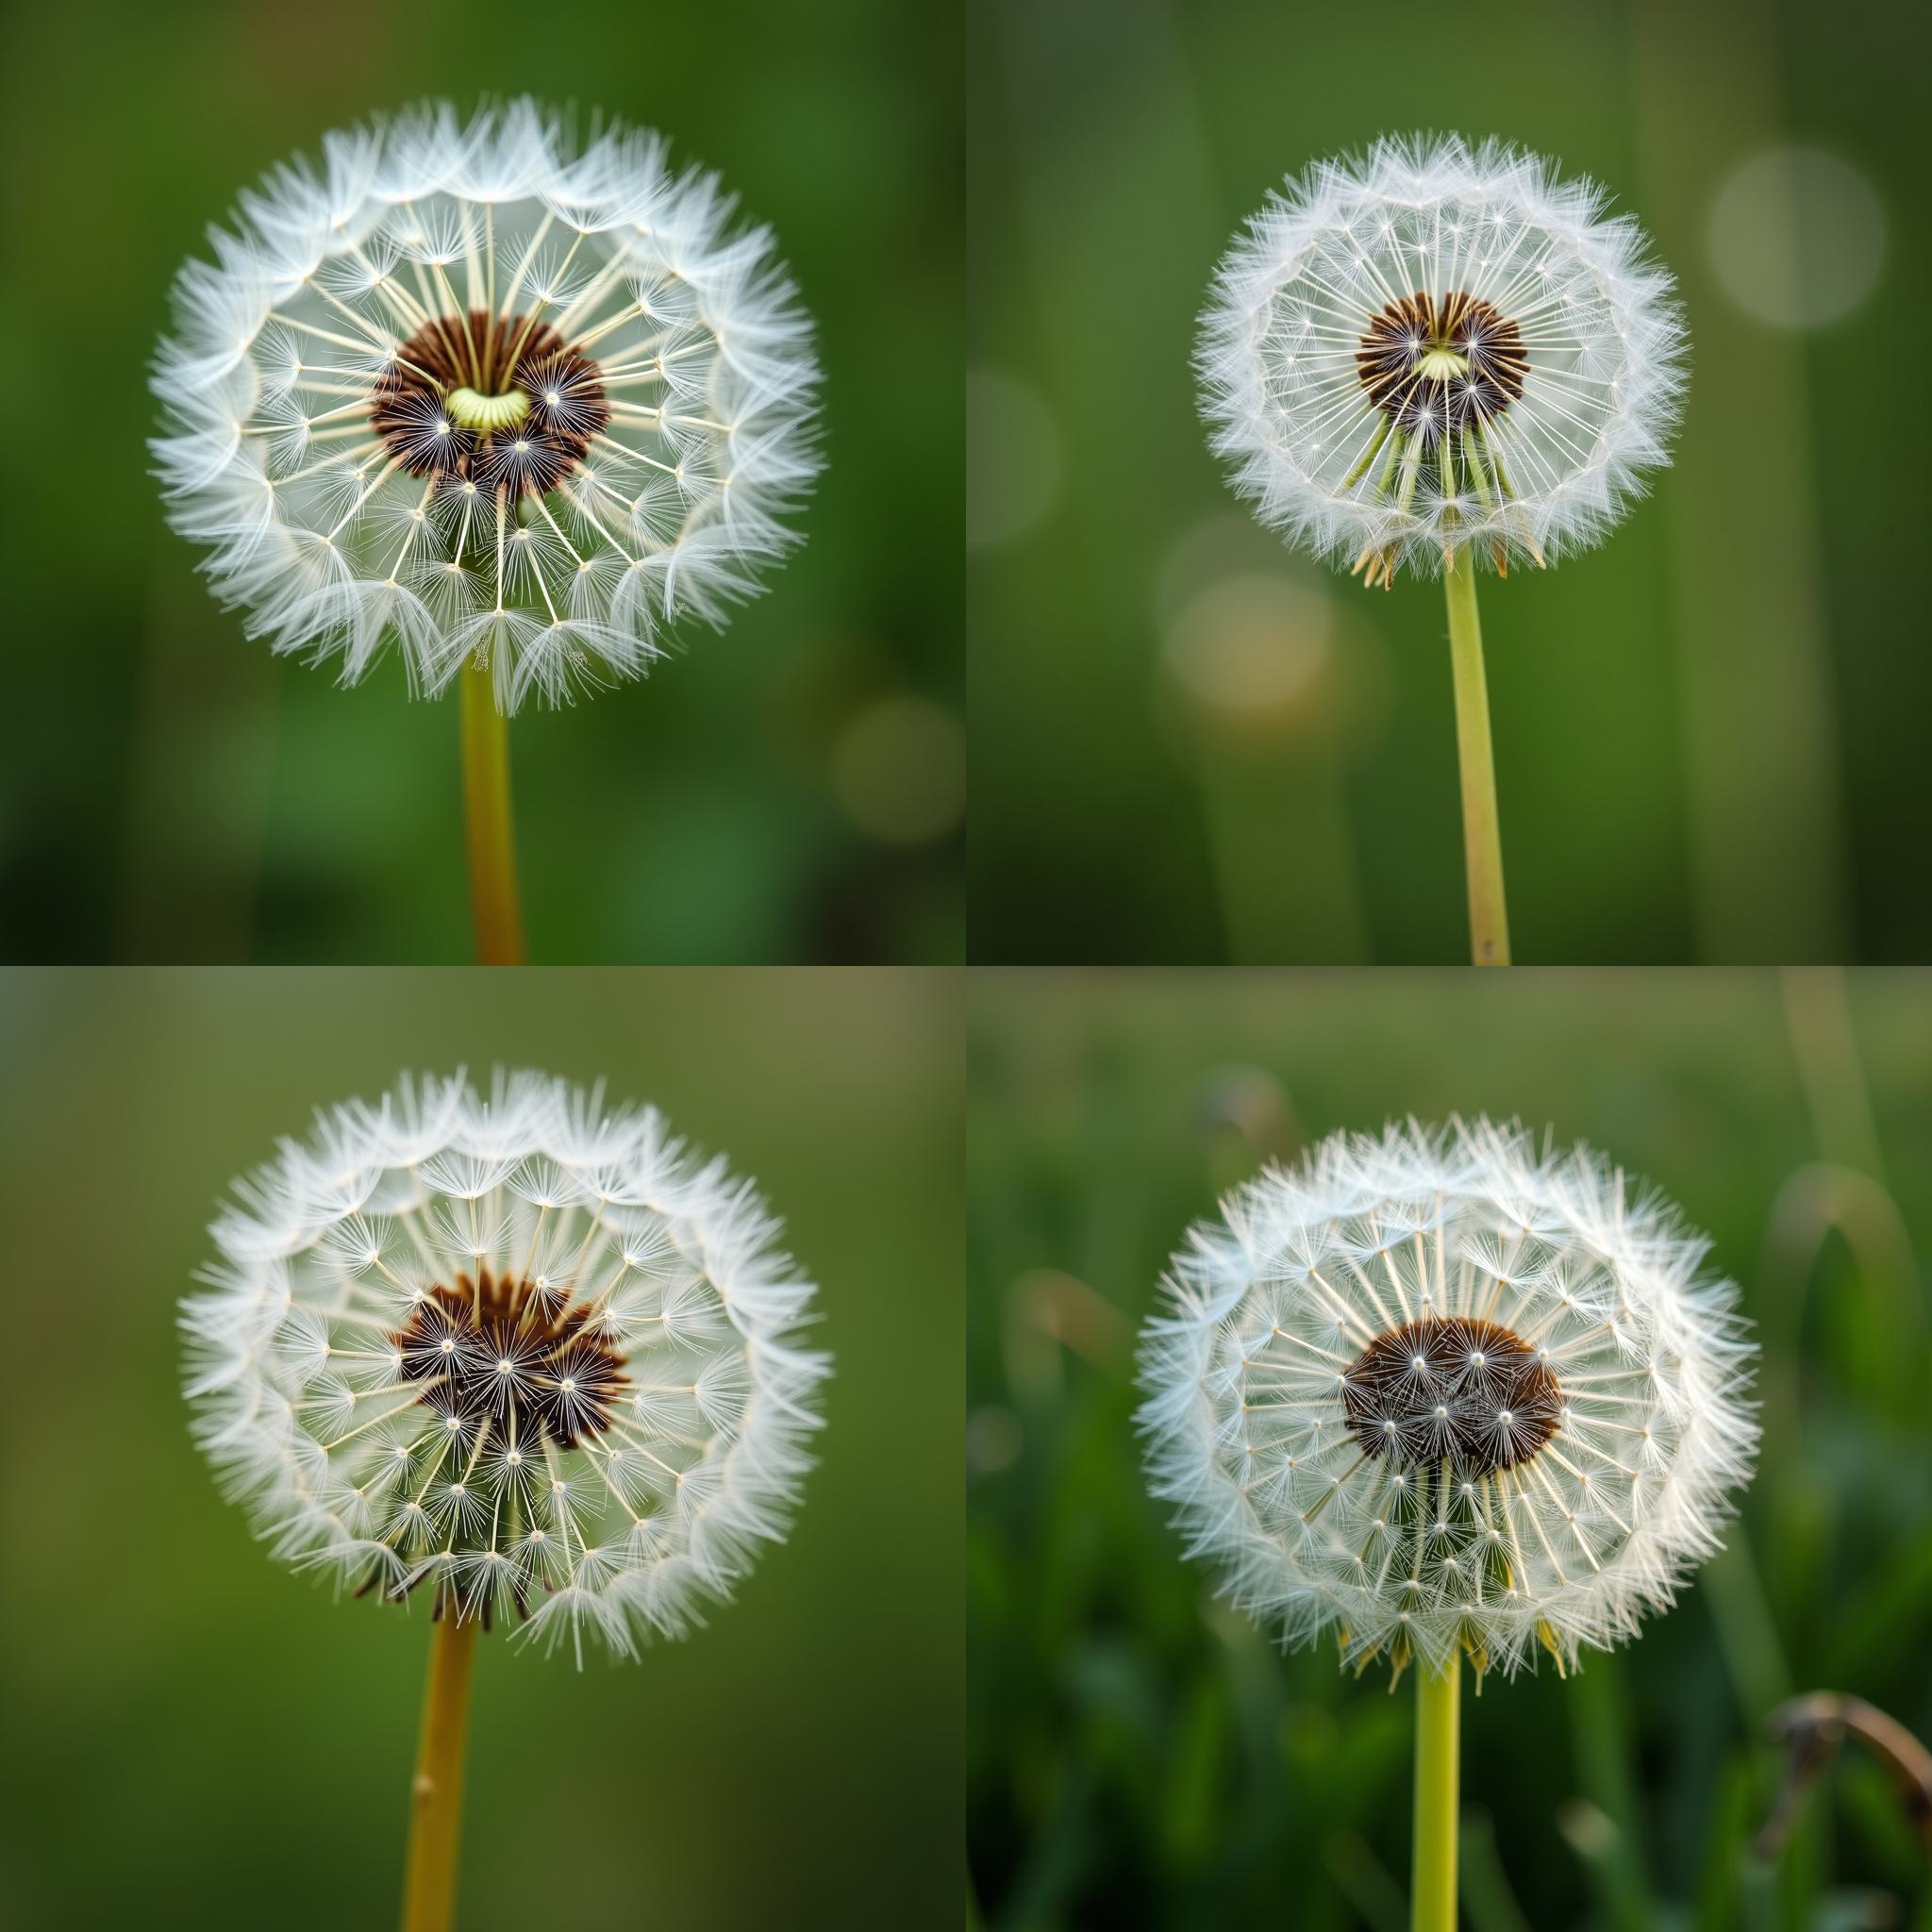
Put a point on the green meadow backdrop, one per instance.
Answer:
(1192, 745)
(790, 788)
(1142, 1758)
(194, 1736)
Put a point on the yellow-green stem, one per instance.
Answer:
(487, 821)
(436, 1799)
(1437, 1745)
(1482, 829)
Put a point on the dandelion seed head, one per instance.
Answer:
(378, 1377)
(1447, 1387)
(1439, 345)
(404, 361)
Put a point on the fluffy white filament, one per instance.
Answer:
(330, 544)
(346, 1464)
(1269, 1308)
(1292, 299)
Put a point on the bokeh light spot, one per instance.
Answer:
(1252, 643)
(899, 770)
(1797, 237)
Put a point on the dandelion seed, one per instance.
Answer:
(1573, 1395)
(478, 1374)
(409, 300)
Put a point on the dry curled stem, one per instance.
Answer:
(1812, 1728)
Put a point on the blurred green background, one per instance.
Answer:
(791, 789)
(194, 1736)
(1191, 744)
(1140, 1756)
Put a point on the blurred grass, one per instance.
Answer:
(1707, 730)
(1142, 1757)
(194, 1736)
(169, 792)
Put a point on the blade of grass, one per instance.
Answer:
(1486, 1894)
(1600, 1736)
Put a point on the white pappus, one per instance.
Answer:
(529, 1358)
(1447, 1387)
(1438, 345)
(464, 387)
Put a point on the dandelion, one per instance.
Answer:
(529, 1360)
(1443, 356)
(510, 406)
(1447, 1392)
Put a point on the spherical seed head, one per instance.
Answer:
(1447, 1387)
(466, 390)
(528, 1358)
(1440, 348)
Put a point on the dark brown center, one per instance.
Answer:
(491, 357)
(1454, 1389)
(501, 1354)
(1431, 364)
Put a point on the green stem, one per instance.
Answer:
(1482, 832)
(492, 836)
(436, 1799)
(1438, 1739)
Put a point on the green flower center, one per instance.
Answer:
(471, 410)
